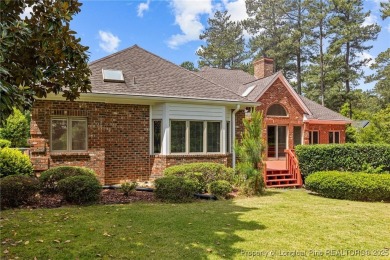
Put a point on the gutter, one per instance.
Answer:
(234, 135)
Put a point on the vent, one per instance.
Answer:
(248, 90)
(113, 76)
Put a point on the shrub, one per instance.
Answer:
(351, 186)
(220, 188)
(16, 129)
(4, 143)
(128, 187)
(50, 178)
(15, 190)
(14, 162)
(175, 189)
(80, 189)
(342, 157)
(203, 173)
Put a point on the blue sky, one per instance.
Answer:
(171, 28)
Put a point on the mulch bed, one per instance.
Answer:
(108, 196)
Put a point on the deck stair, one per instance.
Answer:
(283, 174)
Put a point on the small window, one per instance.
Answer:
(68, 134)
(313, 137)
(113, 76)
(157, 136)
(248, 91)
(297, 135)
(178, 136)
(334, 137)
(213, 137)
(228, 137)
(276, 110)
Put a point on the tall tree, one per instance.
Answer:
(268, 24)
(39, 54)
(225, 44)
(349, 39)
(188, 65)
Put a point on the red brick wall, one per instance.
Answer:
(324, 132)
(278, 93)
(118, 139)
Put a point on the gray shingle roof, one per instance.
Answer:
(155, 76)
(322, 113)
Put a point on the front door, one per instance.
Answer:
(277, 141)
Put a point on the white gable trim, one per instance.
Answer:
(290, 89)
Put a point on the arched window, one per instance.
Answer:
(276, 110)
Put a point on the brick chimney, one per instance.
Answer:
(263, 67)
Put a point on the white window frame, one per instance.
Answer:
(334, 137)
(69, 133)
(187, 144)
(311, 136)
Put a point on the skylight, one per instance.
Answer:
(113, 76)
(248, 90)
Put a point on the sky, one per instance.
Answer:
(171, 28)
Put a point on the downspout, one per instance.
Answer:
(234, 135)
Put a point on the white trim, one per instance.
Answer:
(151, 132)
(234, 135)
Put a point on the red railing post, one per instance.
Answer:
(293, 166)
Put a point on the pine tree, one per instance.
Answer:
(349, 38)
(225, 44)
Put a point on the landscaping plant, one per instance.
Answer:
(15, 190)
(127, 187)
(4, 143)
(175, 189)
(250, 155)
(80, 189)
(14, 162)
(220, 189)
(16, 129)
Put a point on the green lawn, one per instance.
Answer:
(281, 222)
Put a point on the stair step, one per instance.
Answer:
(281, 182)
(276, 172)
(280, 174)
(283, 185)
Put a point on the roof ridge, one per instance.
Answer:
(276, 73)
(113, 54)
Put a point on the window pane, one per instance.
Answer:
(196, 137)
(337, 137)
(331, 137)
(79, 135)
(213, 137)
(315, 137)
(59, 134)
(276, 110)
(178, 136)
(157, 136)
(297, 135)
(228, 137)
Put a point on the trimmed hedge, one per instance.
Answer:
(15, 190)
(220, 188)
(50, 178)
(351, 186)
(204, 173)
(14, 162)
(80, 189)
(342, 157)
(175, 189)
(4, 143)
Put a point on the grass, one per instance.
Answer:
(283, 222)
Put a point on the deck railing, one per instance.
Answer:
(293, 165)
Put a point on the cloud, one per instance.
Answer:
(187, 16)
(236, 9)
(27, 12)
(108, 42)
(369, 20)
(366, 55)
(143, 7)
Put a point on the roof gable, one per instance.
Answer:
(150, 75)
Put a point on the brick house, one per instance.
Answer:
(146, 113)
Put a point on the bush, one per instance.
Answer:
(351, 186)
(15, 190)
(4, 143)
(203, 173)
(14, 162)
(50, 178)
(342, 157)
(175, 189)
(80, 189)
(16, 129)
(220, 188)
(128, 187)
